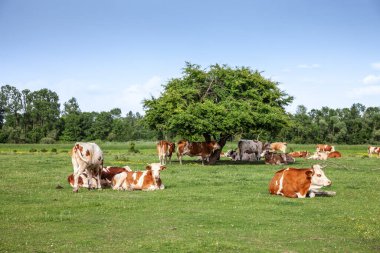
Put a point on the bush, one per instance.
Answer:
(44, 150)
(132, 148)
(32, 150)
(54, 150)
(47, 140)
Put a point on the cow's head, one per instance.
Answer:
(155, 168)
(171, 147)
(215, 146)
(319, 178)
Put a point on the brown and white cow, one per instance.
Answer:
(334, 154)
(298, 183)
(275, 146)
(301, 154)
(373, 150)
(83, 181)
(319, 156)
(202, 149)
(278, 158)
(105, 178)
(86, 157)
(165, 150)
(148, 180)
(325, 148)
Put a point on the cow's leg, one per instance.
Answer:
(77, 172)
(98, 177)
(90, 175)
(179, 158)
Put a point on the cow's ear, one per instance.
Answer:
(162, 167)
(148, 167)
(309, 173)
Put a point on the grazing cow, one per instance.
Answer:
(275, 158)
(148, 180)
(334, 154)
(86, 157)
(301, 154)
(105, 178)
(165, 150)
(325, 148)
(202, 149)
(250, 150)
(319, 156)
(297, 183)
(373, 150)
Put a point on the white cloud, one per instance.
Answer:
(376, 65)
(371, 79)
(308, 66)
(372, 90)
(133, 95)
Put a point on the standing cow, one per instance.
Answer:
(297, 183)
(202, 149)
(325, 148)
(250, 149)
(86, 157)
(373, 150)
(275, 146)
(165, 150)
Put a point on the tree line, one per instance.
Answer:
(36, 117)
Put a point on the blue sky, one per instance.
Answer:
(113, 54)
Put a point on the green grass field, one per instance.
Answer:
(221, 208)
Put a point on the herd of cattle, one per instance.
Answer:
(89, 172)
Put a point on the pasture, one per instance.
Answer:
(221, 208)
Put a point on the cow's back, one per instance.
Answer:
(291, 182)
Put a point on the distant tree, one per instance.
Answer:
(71, 116)
(102, 125)
(218, 102)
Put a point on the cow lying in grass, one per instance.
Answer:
(299, 183)
(148, 180)
(105, 178)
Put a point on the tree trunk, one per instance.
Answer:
(216, 155)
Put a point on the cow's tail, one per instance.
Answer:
(75, 150)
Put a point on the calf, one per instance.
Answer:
(325, 148)
(373, 150)
(301, 154)
(275, 158)
(105, 178)
(334, 154)
(297, 183)
(86, 157)
(148, 180)
(202, 149)
(165, 150)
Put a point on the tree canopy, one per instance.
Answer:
(218, 102)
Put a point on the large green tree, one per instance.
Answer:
(217, 102)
